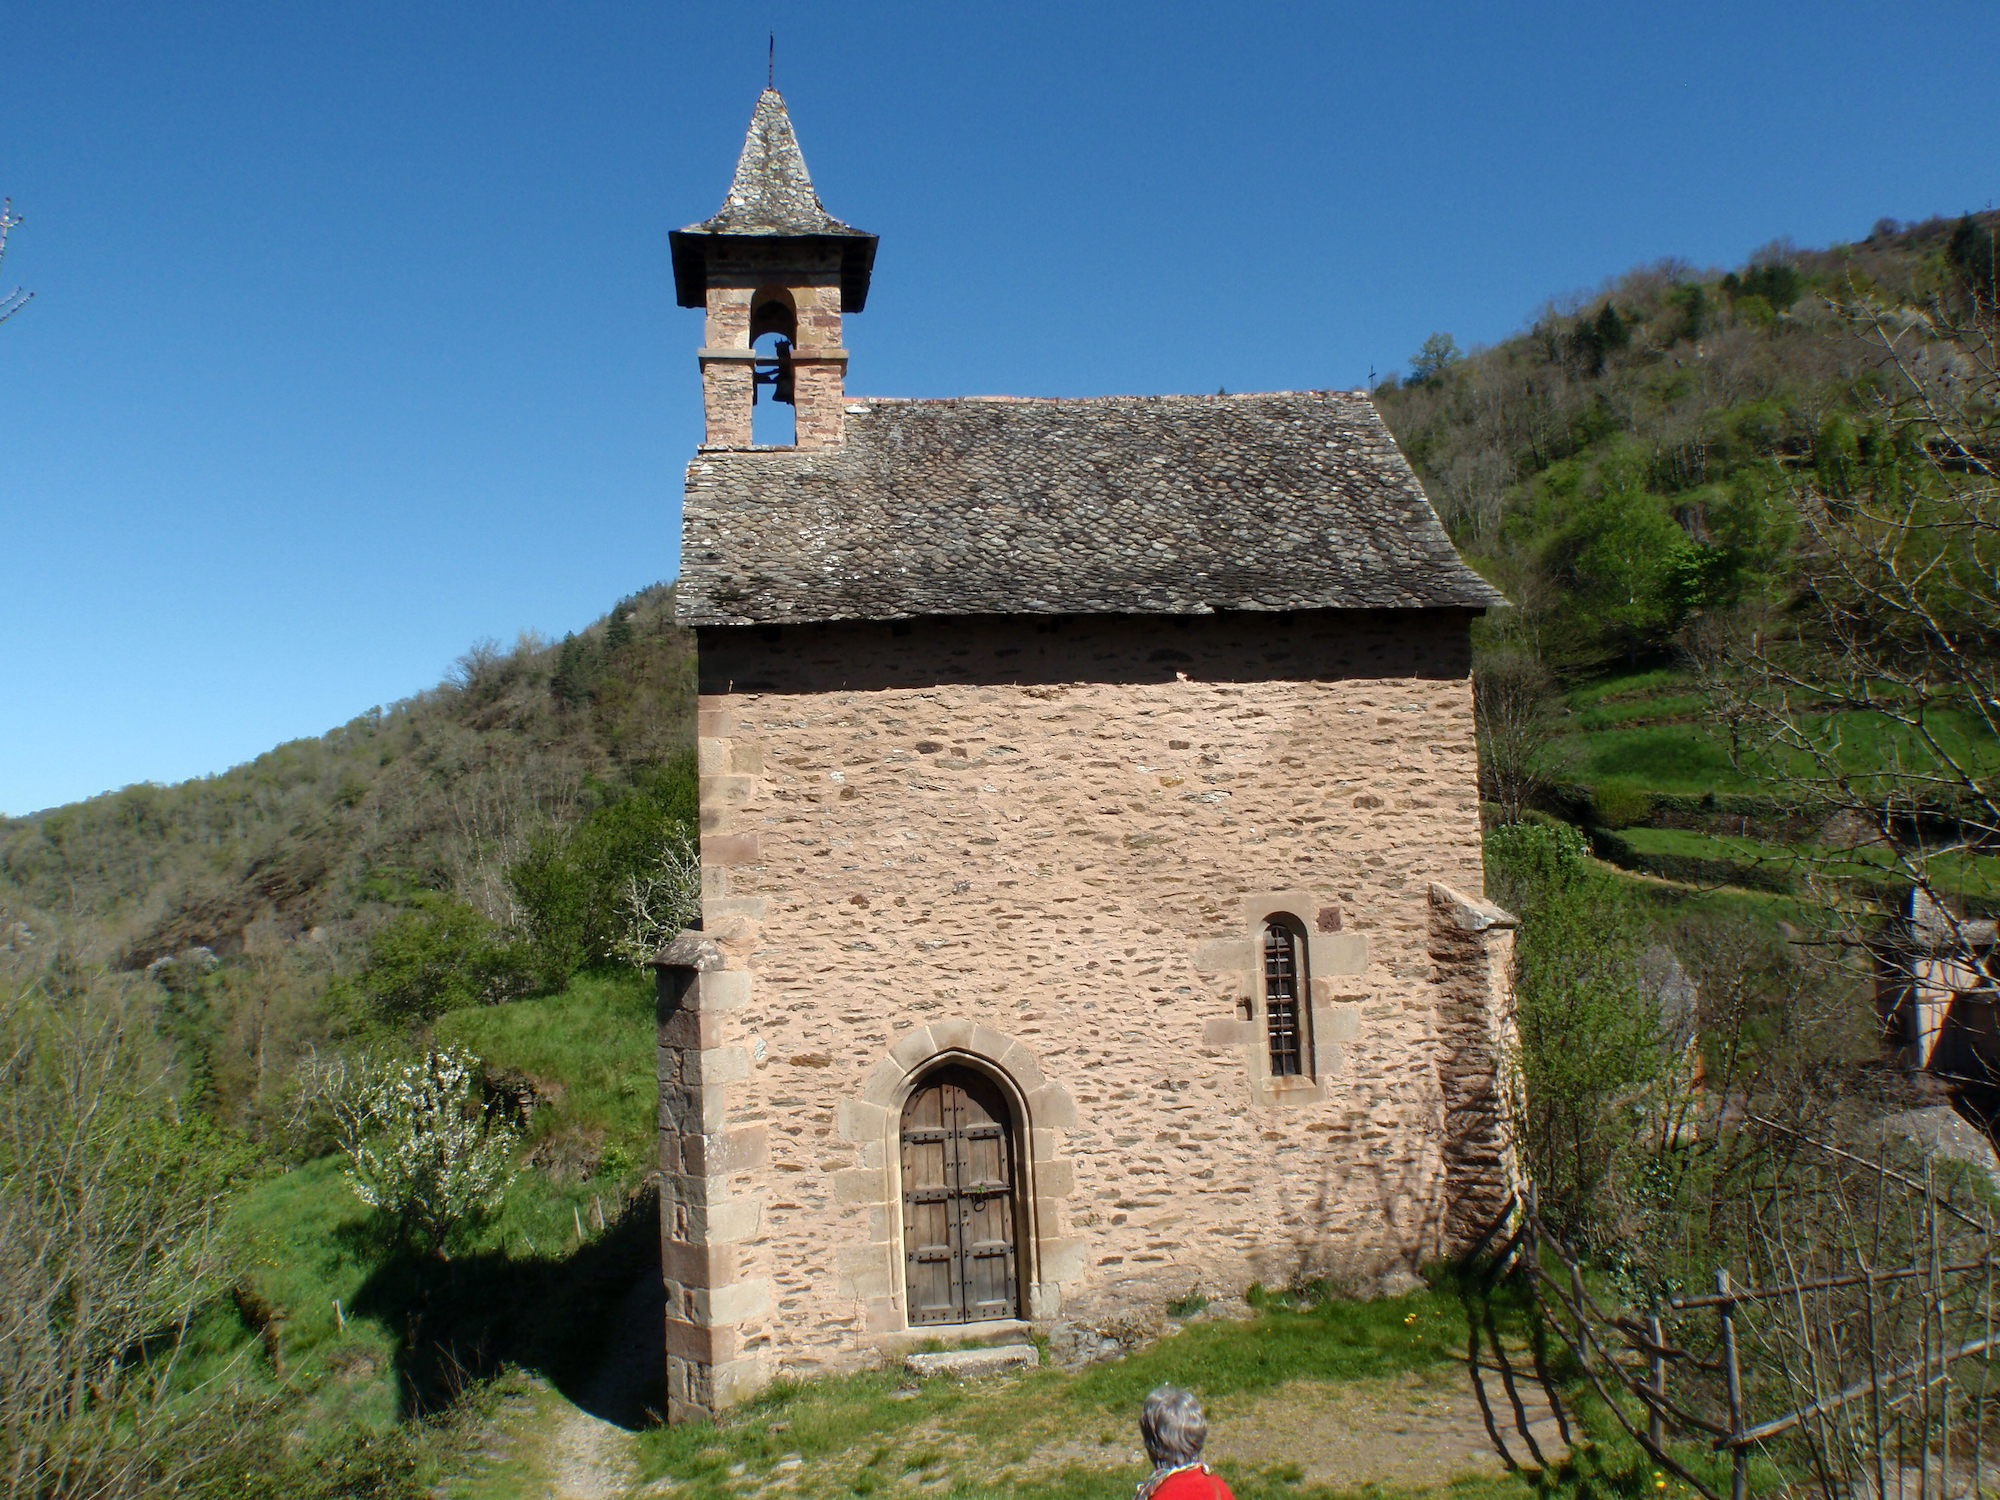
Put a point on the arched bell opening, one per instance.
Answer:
(773, 310)
(964, 1198)
(774, 332)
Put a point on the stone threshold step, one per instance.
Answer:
(967, 1364)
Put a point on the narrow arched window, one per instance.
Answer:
(1286, 1016)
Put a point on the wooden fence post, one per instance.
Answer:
(1739, 1468)
(1656, 1427)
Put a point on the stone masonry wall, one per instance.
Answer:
(1049, 845)
(1472, 945)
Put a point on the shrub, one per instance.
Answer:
(660, 900)
(575, 888)
(555, 892)
(1593, 1053)
(1524, 859)
(1619, 559)
(110, 1239)
(443, 955)
(1615, 805)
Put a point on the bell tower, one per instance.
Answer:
(772, 262)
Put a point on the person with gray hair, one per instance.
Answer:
(1175, 1431)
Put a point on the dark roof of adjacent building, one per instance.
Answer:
(1118, 505)
(771, 198)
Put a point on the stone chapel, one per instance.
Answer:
(1090, 844)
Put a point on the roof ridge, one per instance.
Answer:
(1134, 397)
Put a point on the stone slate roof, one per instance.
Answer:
(773, 192)
(1117, 505)
(772, 197)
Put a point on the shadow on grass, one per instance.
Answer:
(592, 1322)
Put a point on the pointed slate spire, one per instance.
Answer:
(773, 192)
(772, 198)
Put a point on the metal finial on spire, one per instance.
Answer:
(771, 64)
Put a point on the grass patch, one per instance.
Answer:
(1668, 709)
(1956, 872)
(1668, 744)
(856, 1434)
(1629, 687)
(1658, 757)
(1726, 846)
(313, 1251)
(589, 1048)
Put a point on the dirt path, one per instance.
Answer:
(592, 1453)
(589, 1458)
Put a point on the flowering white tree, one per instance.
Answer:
(660, 900)
(418, 1148)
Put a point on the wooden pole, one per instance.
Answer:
(1739, 1467)
(1656, 1427)
(1938, 1306)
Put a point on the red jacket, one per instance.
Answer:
(1192, 1483)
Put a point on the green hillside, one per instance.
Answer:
(1624, 466)
(1745, 519)
(395, 867)
(443, 873)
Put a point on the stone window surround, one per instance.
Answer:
(872, 1122)
(1330, 1004)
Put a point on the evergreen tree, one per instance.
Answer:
(1970, 253)
(569, 682)
(618, 629)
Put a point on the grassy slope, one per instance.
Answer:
(590, 1051)
(1975, 875)
(340, 1299)
(1635, 737)
(1652, 730)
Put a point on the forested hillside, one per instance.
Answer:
(1747, 520)
(1626, 465)
(403, 864)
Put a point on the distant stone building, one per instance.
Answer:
(1090, 845)
(1937, 990)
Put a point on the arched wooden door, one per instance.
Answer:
(959, 1201)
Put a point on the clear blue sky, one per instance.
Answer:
(354, 340)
